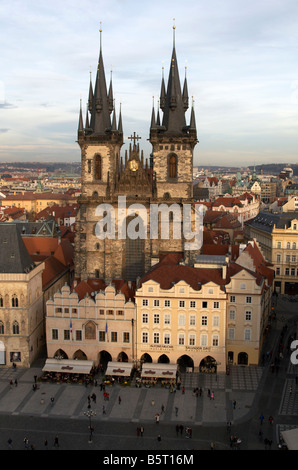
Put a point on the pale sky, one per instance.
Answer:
(242, 71)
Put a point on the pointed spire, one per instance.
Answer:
(163, 91)
(173, 108)
(192, 117)
(81, 125)
(90, 99)
(114, 125)
(153, 123)
(100, 117)
(120, 128)
(87, 126)
(157, 116)
(111, 100)
(185, 93)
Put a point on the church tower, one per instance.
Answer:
(173, 141)
(108, 177)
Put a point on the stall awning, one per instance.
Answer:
(68, 366)
(165, 371)
(119, 368)
(291, 438)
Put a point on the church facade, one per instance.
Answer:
(165, 178)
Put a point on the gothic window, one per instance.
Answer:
(14, 301)
(172, 163)
(1, 301)
(15, 328)
(98, 167)
(1, 328)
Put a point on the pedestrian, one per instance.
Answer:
(270, 419)
(10, 384)
(9, 442)
(208, 392)
(103, 410)
(52, 401)
(234, 404)
(46, 444)
(229, 425)
(26, 443)
(212, 396)
(181, 429)
(162, 409)
(56, 441)
(159, 438)
(16, 383)
(35, 379)
(176, 410)
(261, 418)
(212, 445)
(119, 400)
(157, 418)
(142, 430)
(183, 390)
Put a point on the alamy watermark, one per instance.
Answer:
(294, 354)
(186, 222)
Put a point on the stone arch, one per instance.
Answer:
(163, 359)
(60, 354)
(208, 365)
(243, 359)
(122, 357)
(103, 358)
(184, 362)
(80, 355)
(146, 358)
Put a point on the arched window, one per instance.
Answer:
(14, 301)
(1, 301)
(1, 328)
(98, 169)
(15, 328)
(173, 166)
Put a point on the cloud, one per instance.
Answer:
(240, 57)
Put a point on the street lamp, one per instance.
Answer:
(89, 415)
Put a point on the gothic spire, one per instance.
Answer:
(172, 104)
(100, 116)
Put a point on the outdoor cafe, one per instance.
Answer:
(163, 374)
(67, 370)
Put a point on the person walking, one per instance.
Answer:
(56, 441)
(119, 400)
(141, 431)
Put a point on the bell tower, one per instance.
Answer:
(172, 140)
(100, 139)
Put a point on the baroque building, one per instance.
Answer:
(103, 248)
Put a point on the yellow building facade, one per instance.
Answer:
(100, 327)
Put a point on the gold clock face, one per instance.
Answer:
(133, 165)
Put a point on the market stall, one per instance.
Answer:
(165, 374)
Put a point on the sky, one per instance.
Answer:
(240, 58)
